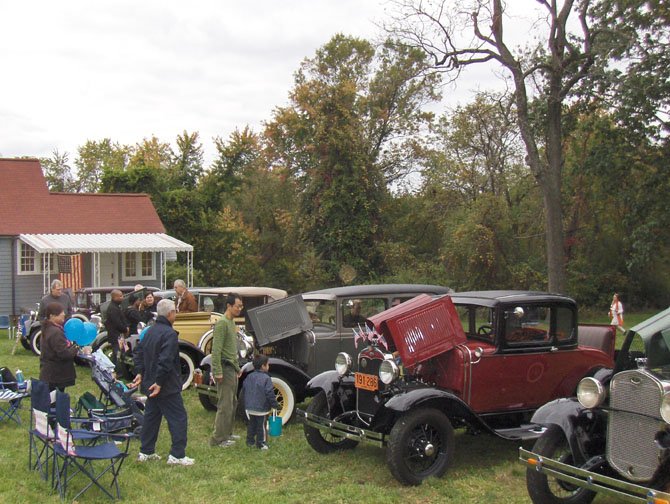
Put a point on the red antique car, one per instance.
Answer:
(482, 360)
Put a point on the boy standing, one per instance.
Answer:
(259, 399)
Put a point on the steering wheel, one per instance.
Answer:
(484, 330)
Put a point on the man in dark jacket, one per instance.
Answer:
(157, 367)
(117, 328)
(56, 295)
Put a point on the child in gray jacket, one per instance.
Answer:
(259, 399)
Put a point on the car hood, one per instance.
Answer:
(421, 328)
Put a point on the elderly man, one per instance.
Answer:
(157, 367)
(56, 295)
(185, 301)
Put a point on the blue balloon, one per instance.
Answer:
(144, 331)
(91, 332)
(74, 330)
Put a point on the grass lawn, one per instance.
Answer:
(485, 468)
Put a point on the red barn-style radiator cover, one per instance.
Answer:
(421, 328)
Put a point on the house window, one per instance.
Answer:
(29, 259)
(139, 266)
(30, 262)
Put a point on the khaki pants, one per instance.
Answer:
(226, 406)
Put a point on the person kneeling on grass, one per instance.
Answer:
(259, 399)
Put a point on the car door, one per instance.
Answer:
(533, 357)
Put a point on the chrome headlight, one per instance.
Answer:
(388, 371)
(591, 393)
(244, 348)
(665, 408)
(342, 363)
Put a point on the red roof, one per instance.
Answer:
(27, 206)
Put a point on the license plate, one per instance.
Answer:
(367, 381)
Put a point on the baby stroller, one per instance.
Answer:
(117, 405)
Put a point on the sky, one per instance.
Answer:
(76, 70)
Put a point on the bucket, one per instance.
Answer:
(275, 424)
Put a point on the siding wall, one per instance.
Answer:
(5, 275)
(27, 288)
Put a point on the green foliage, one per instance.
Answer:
(95, 158)
(58, 172)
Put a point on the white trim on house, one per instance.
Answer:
(119, 243)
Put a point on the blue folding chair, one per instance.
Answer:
(5, 323)
(41, 435)
(92, 462)
(10, 396)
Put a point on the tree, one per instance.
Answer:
(186, 167)
(94, 158)
(58, 172)
(553, 71)
(352, 111)
(633, 79)
(476, 149)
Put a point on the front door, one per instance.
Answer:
(108, 270)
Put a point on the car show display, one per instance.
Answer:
(297, 352)
(480, 360)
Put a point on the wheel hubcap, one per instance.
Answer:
(429, 450)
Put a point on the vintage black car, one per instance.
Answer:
(480, 360)
(614, 437)
(296, 356)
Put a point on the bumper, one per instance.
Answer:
(209, 390)
(342, 430)
(593, 481)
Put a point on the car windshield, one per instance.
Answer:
(321, 312)
(647, 344)
(477, 321)
(82, 299)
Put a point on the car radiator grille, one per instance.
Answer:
(635, 400)
(368, 401)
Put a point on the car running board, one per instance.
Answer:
(524, 432)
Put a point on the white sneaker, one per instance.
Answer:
(234, 437)
(143, 457)
(185, 461)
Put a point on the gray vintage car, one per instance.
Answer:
(614, 437)
(333, 315)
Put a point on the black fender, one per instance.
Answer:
(427, 397)
(327, 381)
(295, 376)
(575, 420)
(198, 355)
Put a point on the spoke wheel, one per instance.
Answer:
(285, 397)
(421, 444)
(547, 490)
(321, 441)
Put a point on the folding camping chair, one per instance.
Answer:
(92, 462)
(10, 396)
(5, 323)
(41, 436)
